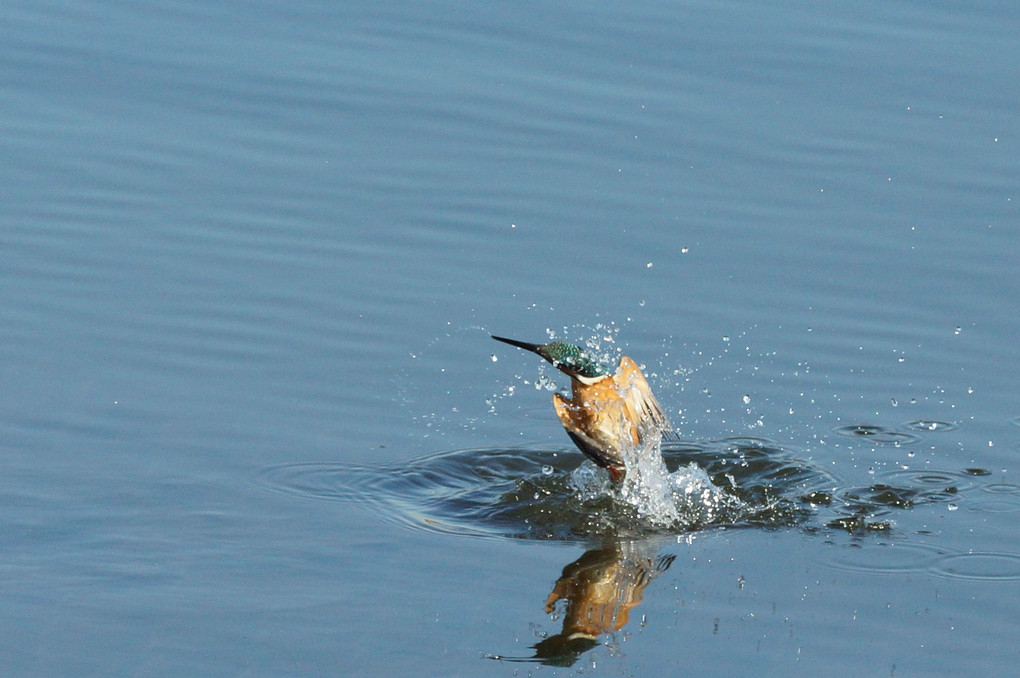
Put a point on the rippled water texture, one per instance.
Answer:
(530, 494)
(252, 422)
(729, 483)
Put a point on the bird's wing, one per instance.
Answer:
(639, 396)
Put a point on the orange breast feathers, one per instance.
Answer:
(613, 411)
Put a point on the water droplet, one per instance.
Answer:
(725, 338)
(494, 358)
(545, 382)
(894, 402)
(900, 359)
(952, 507)
(747, 399)
(648, 265)
(684, 250)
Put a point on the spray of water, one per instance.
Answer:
(683, 499)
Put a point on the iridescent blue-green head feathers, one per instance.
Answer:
(566, 357)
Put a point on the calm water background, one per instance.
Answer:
(242, 236)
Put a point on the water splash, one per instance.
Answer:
(678, 500)
(559, 495)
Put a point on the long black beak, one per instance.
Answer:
(534, 348)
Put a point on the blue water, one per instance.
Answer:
(246, 240)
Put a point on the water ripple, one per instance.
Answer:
(736, 482)
(887, 558)
(878, 435)
(930, 426)
(988, 566)
(537, 494)
(1004, 497)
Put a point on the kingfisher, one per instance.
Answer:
(606, 412)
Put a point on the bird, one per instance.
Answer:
(607, 412)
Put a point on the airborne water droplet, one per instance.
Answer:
(545, 382)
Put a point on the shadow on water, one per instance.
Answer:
(731, 483)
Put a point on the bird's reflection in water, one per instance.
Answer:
(595, 595)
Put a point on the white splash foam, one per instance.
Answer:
(647, 485)
(679, 500)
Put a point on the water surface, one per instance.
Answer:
(252, 255)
